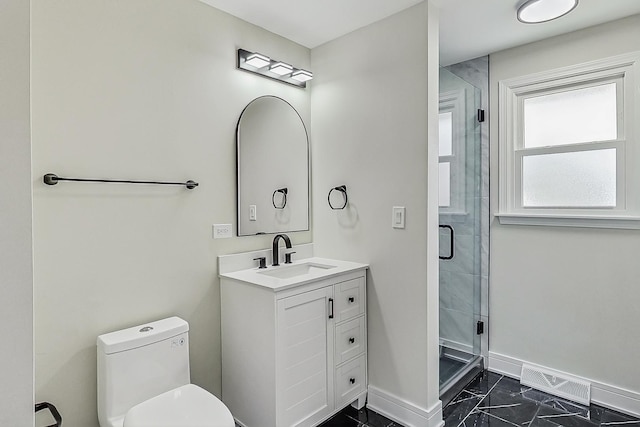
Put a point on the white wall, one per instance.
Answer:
(16, 271)
(565, 298)
(370, 110)
(136, 90)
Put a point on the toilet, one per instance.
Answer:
(144, 380)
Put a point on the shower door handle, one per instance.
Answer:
(450, 228)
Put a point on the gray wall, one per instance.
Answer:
(565, 298)
(16, 271)
(136, 90)
(370, 110)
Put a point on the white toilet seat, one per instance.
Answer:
(186, 406)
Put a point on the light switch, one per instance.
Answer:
(398, 217)
(252, 213)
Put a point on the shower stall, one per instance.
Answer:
(464, 228)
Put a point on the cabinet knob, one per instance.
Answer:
(351, 299)
(352, 340)
(352, 380)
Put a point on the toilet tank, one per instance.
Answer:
(139, 363)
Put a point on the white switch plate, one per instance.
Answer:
(222, 231)
(397, 220)
(252, 213)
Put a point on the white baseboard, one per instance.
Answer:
(505, 365)
(606, 395)
(403, 412)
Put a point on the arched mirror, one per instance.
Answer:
(273, 168)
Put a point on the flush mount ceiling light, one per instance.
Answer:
(264, 66)
(537, 11)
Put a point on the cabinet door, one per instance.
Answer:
(304, 379)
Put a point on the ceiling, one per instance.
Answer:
(472, 28)
(468, 28)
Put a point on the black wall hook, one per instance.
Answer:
(343, 190)
(284, 192)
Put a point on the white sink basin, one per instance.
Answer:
(305, 270)
(295, 270)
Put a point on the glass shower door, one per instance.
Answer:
(460, 230)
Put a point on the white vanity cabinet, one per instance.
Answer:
(293, 356)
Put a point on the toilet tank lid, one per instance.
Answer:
(141, 335)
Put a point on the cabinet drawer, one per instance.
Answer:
(350, 380)
(349, 299)
(350, 340)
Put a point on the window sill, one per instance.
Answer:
(620, 222)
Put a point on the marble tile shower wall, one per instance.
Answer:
(462, 278)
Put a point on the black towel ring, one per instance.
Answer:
(52, 409)
(284, 192)
(343, 190)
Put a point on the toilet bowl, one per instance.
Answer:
(188, 405)
(144, 380)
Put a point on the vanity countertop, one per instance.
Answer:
(297, 273)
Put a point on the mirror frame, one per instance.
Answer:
(238, 180)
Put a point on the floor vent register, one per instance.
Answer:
(557, 383)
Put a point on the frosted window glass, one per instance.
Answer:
(446, 134)
(578, 179)
(571, 117)
(444, 193)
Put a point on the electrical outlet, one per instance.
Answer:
(222, 231)
(253, 214)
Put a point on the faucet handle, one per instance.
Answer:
(287, 257)
(263, 261)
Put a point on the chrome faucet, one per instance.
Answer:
(276, 240)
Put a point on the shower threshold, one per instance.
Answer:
(457, 369)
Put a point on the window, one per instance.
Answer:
(452, 152)
(569, 150)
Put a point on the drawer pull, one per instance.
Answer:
(351, 300)
(352, 340)
(352, 380)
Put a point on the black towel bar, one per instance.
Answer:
(53, 179)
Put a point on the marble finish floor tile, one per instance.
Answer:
(483, 383)
(459, 408)
(492, 400)
(351, 417)
(503, 401)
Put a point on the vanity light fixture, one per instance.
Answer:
(262, 65)
(538, 11)
(257, 60)
(281, 68)
(302, 75)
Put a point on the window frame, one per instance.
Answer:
(455, 102)
(624, 71)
